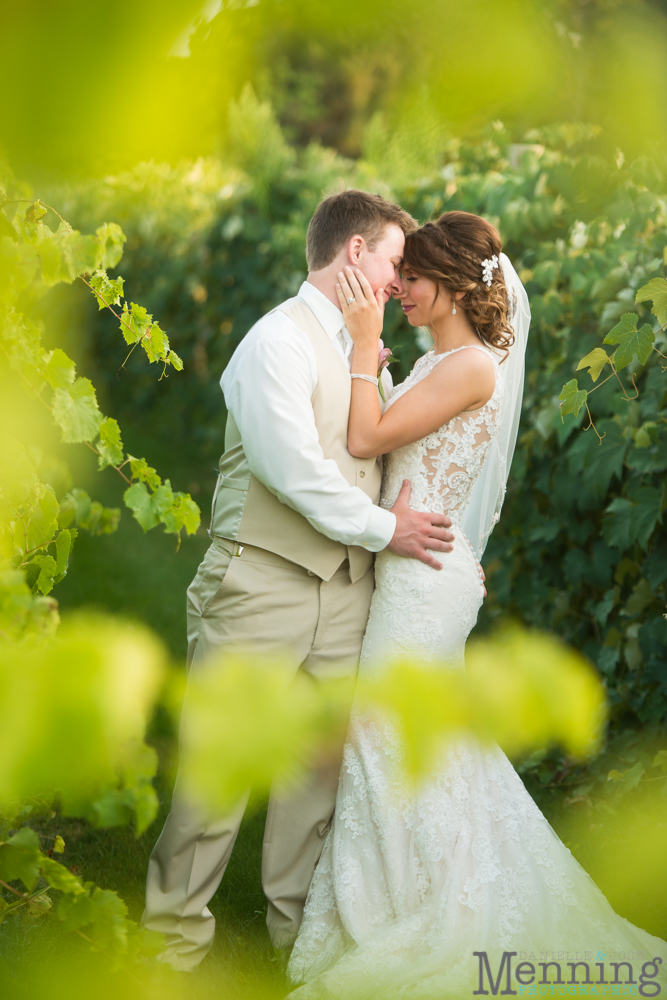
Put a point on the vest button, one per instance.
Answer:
(362, 473)
(310, 572)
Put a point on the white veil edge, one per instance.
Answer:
(483, 510)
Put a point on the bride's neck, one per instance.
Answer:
(451, 332)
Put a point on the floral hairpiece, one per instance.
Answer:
(488, 266)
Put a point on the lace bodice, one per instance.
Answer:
(443, 466)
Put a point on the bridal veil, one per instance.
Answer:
(483, 510)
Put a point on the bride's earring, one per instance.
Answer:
(454, 310)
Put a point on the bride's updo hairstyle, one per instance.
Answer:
(450, 252)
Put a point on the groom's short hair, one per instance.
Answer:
(351, 213)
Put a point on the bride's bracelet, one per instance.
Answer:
(366, 378)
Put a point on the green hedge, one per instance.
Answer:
(580, 548)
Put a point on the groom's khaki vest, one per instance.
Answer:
(245, 511)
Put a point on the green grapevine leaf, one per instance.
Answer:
(110, 445)
(42, 520)
(618, 530)
(59, 845)
(20, 612)
(138, 499)
(102, 520)
(7, 229)
(135, 322)
(595, 362)
(156, 344)
(81, 253)
(111, 238)
(108, 291)
(64, 543)
(142, 471)
(66, 255)
(48, 569)
(99, 909)
(59, 370)
(631, 341)
(642, 595)
(89, 515)
(184, 513)
(52, 262)
(646, 434)
(656, 293)
(35, 212)
(136, 798)
(22, 342)
(593, 463)
(20, 858)
(76, 411)
(630, 520)
(572, 398)
(174, 360)
(626, 780)
(57, 875)
(162, 500)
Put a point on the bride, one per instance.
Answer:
(421, 890)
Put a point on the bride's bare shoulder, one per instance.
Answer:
(469, 362)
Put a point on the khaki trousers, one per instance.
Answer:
(261, 600)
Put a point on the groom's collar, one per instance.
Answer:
(326, 312)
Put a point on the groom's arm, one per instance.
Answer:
(268, 390)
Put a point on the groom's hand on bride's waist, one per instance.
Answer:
(416, 532)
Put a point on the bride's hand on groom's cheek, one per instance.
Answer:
(362, 308)
(418, 534)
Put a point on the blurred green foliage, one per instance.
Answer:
(168, 70)
(77, 708)
(213, 243)
(521, 691)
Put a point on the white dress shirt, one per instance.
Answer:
(268, 386)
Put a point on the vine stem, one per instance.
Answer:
(27, 899)
(591, 424)
(600, 384)
(124, 323)
(625, 393)
(113, 311)
(118, 468)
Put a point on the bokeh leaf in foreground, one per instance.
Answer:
(75, 710)
(248, 722)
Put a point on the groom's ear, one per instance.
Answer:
(355, 247)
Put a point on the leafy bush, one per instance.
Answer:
(580, 547)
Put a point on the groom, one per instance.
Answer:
(294, 526)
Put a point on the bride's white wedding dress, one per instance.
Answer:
(413, 880)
